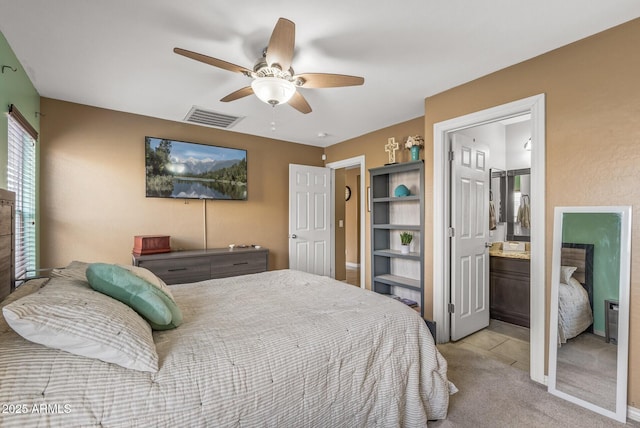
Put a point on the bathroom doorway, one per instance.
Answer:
(441, 249)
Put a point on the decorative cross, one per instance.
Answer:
(391, 148)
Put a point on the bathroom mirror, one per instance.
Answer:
(497, 193)
(519, 204)
(589, 317)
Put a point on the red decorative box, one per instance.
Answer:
(151, 244)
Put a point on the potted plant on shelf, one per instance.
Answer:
(405, 240)
(414, 143)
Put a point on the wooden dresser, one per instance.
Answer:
(7, 254)
(198, 265)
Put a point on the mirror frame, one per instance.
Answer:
(620, 413)
(502, 192)
(511, 174)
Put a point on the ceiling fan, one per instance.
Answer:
(274, 81)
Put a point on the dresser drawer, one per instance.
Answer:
(179, 267)
(176, 271)
(238, 264)
(505, 264)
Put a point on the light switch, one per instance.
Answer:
(341, 223)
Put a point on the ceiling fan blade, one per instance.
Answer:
(325, 80)
(299, 103)
(240, 93)
(281, 44)
(213, 61)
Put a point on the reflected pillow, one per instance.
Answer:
(70, 316)
(139, 289)
(566, 272)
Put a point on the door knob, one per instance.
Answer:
(488, 244)
(294, 236)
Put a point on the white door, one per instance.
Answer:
(309, 219)
(469, 255)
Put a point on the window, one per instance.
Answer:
(21, 179)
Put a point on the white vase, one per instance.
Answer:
(404, 249)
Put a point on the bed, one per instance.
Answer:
(575, 291)
(280, 348)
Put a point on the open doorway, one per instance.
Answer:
(348, 205)
(352, 221)
(490, 257)
(347, 225)
(441, 232)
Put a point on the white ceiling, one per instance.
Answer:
(117, 54)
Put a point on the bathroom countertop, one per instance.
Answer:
(497, 251)
(524, 255)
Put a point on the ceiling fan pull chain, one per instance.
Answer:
(273, 120)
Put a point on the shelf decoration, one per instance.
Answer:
(401, 191)
(405, 241)
(391, 148)
(414, 143)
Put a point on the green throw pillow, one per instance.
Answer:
(139, 289)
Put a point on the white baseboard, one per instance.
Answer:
(353, 265)
(633, 413)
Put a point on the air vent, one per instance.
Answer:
(200, 116)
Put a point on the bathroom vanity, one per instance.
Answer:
(509, 280)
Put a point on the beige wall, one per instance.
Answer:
(92, 196)
(372, 147)
(592, 133)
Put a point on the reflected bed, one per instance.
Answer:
(575, 292)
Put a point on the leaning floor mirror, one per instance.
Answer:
(589, 330)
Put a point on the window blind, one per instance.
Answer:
(21, 179)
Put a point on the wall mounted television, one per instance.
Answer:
(183, 170)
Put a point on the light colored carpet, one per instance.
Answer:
(494, 394)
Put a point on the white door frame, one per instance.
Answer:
(534, 105)
(346, 163)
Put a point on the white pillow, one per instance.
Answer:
(75, 270)
(566, 272)
(70, 316)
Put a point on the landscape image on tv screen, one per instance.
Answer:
(182, 170)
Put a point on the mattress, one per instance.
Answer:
(275, 349)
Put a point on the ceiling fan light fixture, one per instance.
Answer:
(273, 90)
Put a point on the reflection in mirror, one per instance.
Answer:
(497, 192)
(588, 348)
(519, 204)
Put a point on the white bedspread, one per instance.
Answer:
(277, 349)
(574, 310)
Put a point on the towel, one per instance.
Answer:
(492, 216)
(524, 212)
